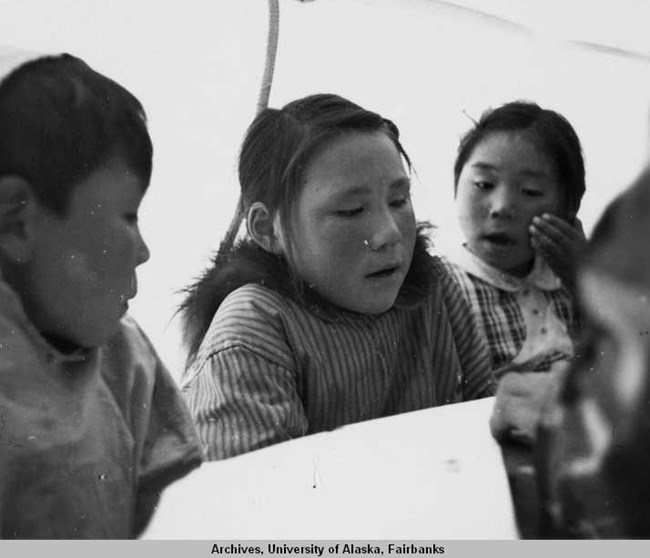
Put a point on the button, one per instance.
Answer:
(536, 311)
(544, 331)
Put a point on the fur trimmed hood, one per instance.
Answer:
(246, 262)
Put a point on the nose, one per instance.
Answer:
(503, 203)
(143, 250)
(386, 231)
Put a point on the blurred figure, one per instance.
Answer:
(594, 441)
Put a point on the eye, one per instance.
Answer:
(349, 212)
(400, 202)
(532, 193)
(483, 184)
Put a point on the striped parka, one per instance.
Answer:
(276, 362)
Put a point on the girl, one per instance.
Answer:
(519, 179)
(330, 311)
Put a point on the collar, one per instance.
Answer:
(540, 276)
(12, 308)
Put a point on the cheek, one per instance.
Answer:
(320, 249)
(102, 256)
(344, 242)
(470, 202)
(551, 205)
(407, 226)
(470, 212)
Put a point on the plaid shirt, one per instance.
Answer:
(530, 324)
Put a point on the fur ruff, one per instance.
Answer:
(246, 262)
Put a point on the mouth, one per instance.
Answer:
(132, 291)
(500, 239)
(385, 272)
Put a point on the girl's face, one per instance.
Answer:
(506, 181)
(353, 223)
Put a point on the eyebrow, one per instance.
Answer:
(532, 173)
(361, 189)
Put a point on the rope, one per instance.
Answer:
(271, 51)
(262, 103)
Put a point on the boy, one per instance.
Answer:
(92, 427)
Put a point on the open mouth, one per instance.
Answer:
(500, 239)
(382, 273)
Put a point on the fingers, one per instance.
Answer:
(558, 243)
(549, 241)
(577, 225)
(552, 244)
(558, 229)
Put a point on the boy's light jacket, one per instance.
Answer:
(86, 440)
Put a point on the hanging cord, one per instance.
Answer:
(262, 103)
(271, 52)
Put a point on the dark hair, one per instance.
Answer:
(280, 143)
(617, 245)
(61, 121)
(554, 133)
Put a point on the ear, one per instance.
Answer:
(264, 229)
(17, 213)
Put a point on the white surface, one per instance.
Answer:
(433, 474)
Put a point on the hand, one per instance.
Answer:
(559, 243)
(521, 399)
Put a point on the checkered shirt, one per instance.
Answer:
(530, 324)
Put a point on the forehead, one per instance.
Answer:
(516, 151)
(354, 161)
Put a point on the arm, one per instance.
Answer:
(166, 443)
(470, 342)
(242, 401)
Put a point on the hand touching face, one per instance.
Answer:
(559, 243)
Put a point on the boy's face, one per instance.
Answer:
(82, 270)
(354, 227)
(506, 182)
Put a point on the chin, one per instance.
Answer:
(96, 337)
(375, 306)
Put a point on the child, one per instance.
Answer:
(331, 311)
(519, 180)
(92, 427)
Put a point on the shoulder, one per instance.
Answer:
(20, 359)
(253, 317)
(252, 299)
(131, 344)
(455, 273)
(129, 362)
(457, 295)
(453, 280)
